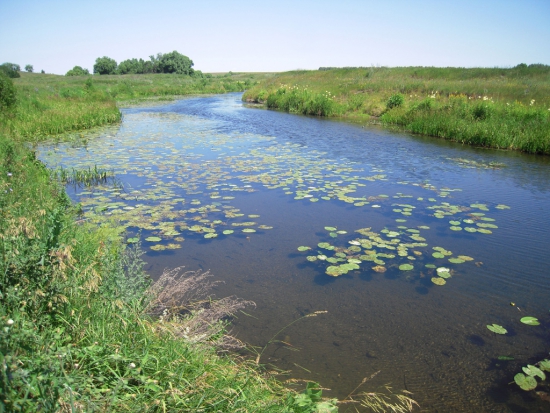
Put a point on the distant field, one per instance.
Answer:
(492, 107)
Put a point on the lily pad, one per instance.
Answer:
(210, 235)
(406, 267)
(311, 258)
(495, 328)
(303, 248)
(379, 268)
(438, 255)
(525, 382)
(153, 239)
(330, 229)
(531, 321)
(438, 281)
(132, 240)
(334, 271)
(228, 232)
(456, 260)
(533, 371)
(249, 230)
(545, 365)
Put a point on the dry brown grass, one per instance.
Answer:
(181, 300)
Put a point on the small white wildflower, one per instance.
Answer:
(76, 365)
(485, 98)
(9, 174)
(132, 366)
(10, 322)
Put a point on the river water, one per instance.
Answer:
(197, 166)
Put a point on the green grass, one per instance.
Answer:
(499, 108)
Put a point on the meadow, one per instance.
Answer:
(486, 107)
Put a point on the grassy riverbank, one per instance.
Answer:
(499, 108)
(77, 332)
(82, 328)
(51, 104)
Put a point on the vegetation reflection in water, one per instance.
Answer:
(180, 183)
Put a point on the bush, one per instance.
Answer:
(77, 71)
(10, 69)
(7, 92)
(482, 111)
(395, 101)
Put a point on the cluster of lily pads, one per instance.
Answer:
(181, 178)
(471, 163)
(526, 380)
(403, 248)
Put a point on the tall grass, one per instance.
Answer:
(501, 108)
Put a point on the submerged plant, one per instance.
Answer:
(272, 339)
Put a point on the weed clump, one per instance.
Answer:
(395, 101)
(7, 92)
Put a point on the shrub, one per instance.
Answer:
(482, 111)
(77, 71)
(10, 69)
(395, 101)
(7, 92)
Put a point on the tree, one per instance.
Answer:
(131, 66)
(105, 66)
(29, 68)
(10, 69)
(175, 62)
(7, 92)
(77, 71)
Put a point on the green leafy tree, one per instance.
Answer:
(77, 71)
(29, 68)
(175, 62)
(131, 66)
(11, 69)
(7, 92)
(105, 66)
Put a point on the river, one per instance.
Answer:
(196, 166)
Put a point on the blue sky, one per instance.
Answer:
(243, 35)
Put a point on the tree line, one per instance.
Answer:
(172, 62)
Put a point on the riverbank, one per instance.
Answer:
(496, 108)
(50, 104)
(83, 327)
